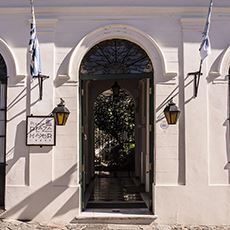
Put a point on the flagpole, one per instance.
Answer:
(34, 49)
(32, 9)
(205, 49)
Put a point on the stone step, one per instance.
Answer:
(115, 216)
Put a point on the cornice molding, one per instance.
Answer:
(192, 23)
(126, 10)
(46, 22)
(45, 25)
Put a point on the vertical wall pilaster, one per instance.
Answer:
(195, 109)
(42, 156)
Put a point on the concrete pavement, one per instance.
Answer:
(8, 224)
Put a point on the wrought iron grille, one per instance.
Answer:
(116, 56)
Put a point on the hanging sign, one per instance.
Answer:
(40, 130)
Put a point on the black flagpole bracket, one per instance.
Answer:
(41, 78)
(196, 81)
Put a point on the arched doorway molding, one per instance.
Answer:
(129, 33)
(12, 69)
(98, 74)
(221, 65)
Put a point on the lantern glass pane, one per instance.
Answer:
(60, 118)
(65, 118)
(173, 117)
(167, 115)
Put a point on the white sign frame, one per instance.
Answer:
(40, 131)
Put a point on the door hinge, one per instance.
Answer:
(150, 166)
(150, 90)
(82, 92)
(150, 128)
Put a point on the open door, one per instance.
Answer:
(82, 155)
(151, 141)
(3, 96)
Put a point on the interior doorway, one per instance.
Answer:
(117, 131)
(114, 149)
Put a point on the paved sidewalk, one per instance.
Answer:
(7, 224)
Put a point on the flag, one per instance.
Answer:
(205, 47)
(35, 61)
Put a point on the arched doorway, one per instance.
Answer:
(3, 97)
(127, 64)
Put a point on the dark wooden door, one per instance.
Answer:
(3, 91)
(151, 141)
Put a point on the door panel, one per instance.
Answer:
(151, 140)
(3, 91)
(82, 157)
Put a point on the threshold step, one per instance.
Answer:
(115, 216)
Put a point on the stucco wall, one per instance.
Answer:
(191, 170)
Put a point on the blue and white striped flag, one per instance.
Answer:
(35, 61)
(205, 47)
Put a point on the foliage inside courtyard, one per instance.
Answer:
(114, 120)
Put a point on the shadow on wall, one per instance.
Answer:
(61, 76)
(187, 82)
(21, 151)
(37, 202)
(227, 135)
(23, 94)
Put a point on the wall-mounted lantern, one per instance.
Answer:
(60, 113)
(172, 113)
(116, 89)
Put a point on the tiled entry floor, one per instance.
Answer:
(115, 192)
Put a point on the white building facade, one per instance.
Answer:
(189, 162)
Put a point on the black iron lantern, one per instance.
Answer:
(60, 113)
(172, 113)
(116, 89)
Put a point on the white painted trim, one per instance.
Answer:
(11, 65)
(121, 32)
(221, 65)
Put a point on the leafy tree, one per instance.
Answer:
(115, 127)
